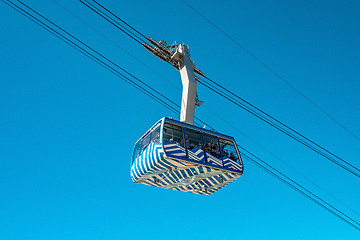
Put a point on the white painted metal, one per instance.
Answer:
(189, 86)
(179, 57)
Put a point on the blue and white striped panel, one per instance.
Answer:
(193, 179)
(214, 161)
(207, 184)
(232, 165)
(197, 154)
(152, 161)
(146, 161)
(154, 168)
(174, 150)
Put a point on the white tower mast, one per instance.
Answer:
(189, 86)
(179, 57)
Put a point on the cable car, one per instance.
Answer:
(181, 156)
(177, 154)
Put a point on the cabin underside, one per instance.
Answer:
(155, 168)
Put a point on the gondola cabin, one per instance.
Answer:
(181, 156)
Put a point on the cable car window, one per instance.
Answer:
(228, 149)
(211, 145)
(155, 134)
(193, 139)
(173, 133)
(136, 152)
(145, 142)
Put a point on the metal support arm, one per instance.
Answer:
(189, 86)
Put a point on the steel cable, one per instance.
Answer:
(284, 179)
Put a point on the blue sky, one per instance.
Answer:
(67, 125)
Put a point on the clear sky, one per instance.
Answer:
(67, 125)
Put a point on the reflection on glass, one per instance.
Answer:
(136, 150)
(211, 145)
(173, 133)
(193, 139)
(155, 134)
(228, 149)
(145, 142)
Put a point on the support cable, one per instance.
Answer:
(91, 55)
(110, 61)
(266, 118)
(115, 44)
(303, 191)
(120, 27)
(262, 165)
(271, 70)
(120, 19)
(348, 167)
(231, 125)
(284, 162)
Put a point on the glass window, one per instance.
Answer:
(145, 142)
(173, 133)
(228, 149)
(155, 134)
(136, 152)
(193, 139)
(211, 145)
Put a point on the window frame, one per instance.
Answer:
(239, 160)
(217, 136)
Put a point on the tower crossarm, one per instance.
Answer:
(168, 53)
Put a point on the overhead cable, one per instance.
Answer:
(92, 54)
(115, 43)
(272, 70)
(111, 20)
(77, 46)
(240, 102)
(225, 121)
